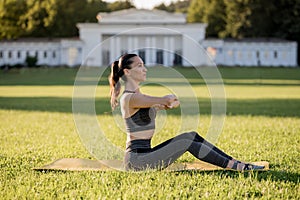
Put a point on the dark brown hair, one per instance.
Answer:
(117, 71)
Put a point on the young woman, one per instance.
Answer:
(139, 111)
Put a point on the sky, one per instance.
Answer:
(147, 4)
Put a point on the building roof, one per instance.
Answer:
(141, 16)
(220, 42)
(264, 40)
(40, 39)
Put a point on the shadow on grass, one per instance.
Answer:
(230, 76)
(255, 107)
(273, 175)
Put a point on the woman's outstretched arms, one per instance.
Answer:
(138, 100)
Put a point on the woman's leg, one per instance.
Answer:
(167, 152)
(199, 138)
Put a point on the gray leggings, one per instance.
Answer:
(166, 153)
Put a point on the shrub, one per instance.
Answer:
(31, 61)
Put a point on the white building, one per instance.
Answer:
(52, 52)
(252, 52)
(157, 36)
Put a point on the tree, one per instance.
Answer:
(50, 18)
(68, 14)
(249, 18)
(10, 14)
(162, 6)
(31, 61)
(39, 17)
(261, 18)
(182, 6)
(93, 8)
(178, 6)
(196, 11)
(237, 18)
(120, 5)
(287, 21)
(211, 12)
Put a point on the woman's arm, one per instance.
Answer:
(175, 104)
(138, 100)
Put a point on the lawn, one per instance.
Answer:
(262, 123)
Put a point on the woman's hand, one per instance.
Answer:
(175, 104)
(160, 107)
(172, 101)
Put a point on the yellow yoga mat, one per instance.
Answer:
(80, 164)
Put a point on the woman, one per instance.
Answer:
(139, 110)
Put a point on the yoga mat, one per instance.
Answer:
(81, 164)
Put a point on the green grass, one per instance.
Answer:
(262, 123)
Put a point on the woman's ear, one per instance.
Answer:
(126, 71)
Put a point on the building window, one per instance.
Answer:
(212, 51)
(45, 54)
(229, 52)
(159, 57)
(1, 54)
(36, 54)
(72, 56)
(257, 54)
(240, 55)
(249, 55)
(53, 54)
(105, 57)
(275, 54)
(266, 54)
(19, 54)
(27, 53)
(9, 54)
(284, 55)
(177, 58)
(142, 55)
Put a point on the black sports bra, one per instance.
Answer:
(143, 119)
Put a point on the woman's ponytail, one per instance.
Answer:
(117, 71)
(115, 86)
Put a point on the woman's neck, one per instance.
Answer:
(132, 86)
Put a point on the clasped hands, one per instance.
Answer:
(171, 102)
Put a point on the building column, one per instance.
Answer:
(166, 51)
(147, 50)
(153, 50)
(130, 44)
(172, 50)
(118, 47)
(112, 49)
(136, 44)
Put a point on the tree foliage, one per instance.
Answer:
(225, 18)
(178, 6)
(211, 12)
(287, 19)
(50, 18)
(11, 12)
(248, 18)
(40, 16)
(120, 5)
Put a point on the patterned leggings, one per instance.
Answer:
(166, 153)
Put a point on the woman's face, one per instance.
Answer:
(138, 70)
